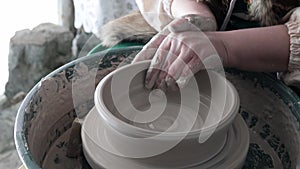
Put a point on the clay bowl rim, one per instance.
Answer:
(129, 129)
(284, 92)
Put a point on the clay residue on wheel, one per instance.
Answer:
(52, 110)
(273, 119)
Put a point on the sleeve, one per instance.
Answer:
(292, 76)
(156, 12)
(93, 14)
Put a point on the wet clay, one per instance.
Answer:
(266, 107)
(179, 127)
(194, 100)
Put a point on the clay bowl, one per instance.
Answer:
(49, 108)
(165, 129)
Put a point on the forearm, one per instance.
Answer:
(256, 49)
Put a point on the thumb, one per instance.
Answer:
(181, 25)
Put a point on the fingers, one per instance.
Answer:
(168, 60)
(171, 56)
(176, 69)
(151, 47)
(157, 63)
(193, 66)
(171, 83)
(181, 25)
(178, 65)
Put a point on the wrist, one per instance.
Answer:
(221, 47)
(201, 22)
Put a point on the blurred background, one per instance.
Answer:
(17, 15)
(37, 37)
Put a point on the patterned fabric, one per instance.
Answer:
(292, 77)
(155, 12)
(271, 12)
(167, 7)
(92, 14)
(267, 13)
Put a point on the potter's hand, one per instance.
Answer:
(178, 52)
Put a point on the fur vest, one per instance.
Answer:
(267, 12)
(133, 27)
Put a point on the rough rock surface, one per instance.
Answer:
(35, 53)
(8, 154)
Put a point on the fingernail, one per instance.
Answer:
(149, 83)
(157, 84)
(168, 81)
(171, 83)
(182, 81)
(162, 86)
(146, 82)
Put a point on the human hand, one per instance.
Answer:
(177, 52)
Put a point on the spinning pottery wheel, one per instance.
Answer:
(270, 110)
(134, 127)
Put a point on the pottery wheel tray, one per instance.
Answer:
(270, 109)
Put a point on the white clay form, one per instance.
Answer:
(130, 125)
